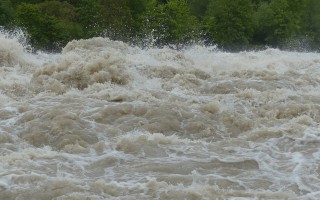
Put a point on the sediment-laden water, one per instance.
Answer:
(105, 120)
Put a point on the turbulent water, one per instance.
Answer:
(105, 120)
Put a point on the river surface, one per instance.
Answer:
(105, 120)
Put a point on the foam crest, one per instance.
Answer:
(11, 51)
(81, 64)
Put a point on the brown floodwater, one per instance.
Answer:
(105, 120)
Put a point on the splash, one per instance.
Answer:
(106, 120)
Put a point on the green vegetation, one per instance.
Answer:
(51, 24)
(170, 23)
(231, 24)
(6, 13)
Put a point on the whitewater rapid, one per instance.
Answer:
(105, 120)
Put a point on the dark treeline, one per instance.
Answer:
(231, 24)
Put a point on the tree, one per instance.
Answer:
(162, 1)
(198, 8)
(138, 9)
(229, 23)
(90, 16)
(6, 12)
(278, 22)
(311, 23)
(183, 27)
(117, 19)
(172, 23)
(232, 24)
(61, 10)
(47, 24)
(16, 2)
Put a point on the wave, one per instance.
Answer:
(104, 119)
